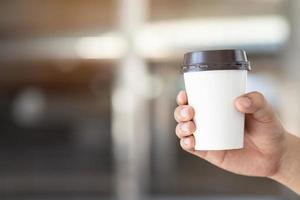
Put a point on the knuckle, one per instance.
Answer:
(183, 113)
(185, 128)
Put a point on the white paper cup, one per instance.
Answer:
(213, 79)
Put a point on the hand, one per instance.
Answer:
(264, 144)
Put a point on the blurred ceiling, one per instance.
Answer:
(168, 9)
(55, 17)
(32, 18)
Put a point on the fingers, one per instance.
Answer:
(183, 113)
(254, 103)
(188, 143)
(185, 129)
(181, 98)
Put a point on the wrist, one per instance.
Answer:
(288, 171)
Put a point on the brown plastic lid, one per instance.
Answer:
(229, 59)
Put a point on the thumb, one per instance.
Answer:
(255, 103)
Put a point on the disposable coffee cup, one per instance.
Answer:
(213, 80)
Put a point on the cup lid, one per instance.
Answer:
(228, 59)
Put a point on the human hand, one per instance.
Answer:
(264, 143)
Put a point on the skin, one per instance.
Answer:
(269, 150)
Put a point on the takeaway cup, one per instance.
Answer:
(213, 79)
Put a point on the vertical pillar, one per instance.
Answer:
(130, 109)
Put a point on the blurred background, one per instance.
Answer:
(87, 92)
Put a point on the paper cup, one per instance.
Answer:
(213, 79)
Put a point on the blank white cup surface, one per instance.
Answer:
(211, 93)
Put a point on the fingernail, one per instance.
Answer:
(184, 112)
(245, 102)
(184, 127)
(186, 141)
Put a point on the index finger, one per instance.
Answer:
(182, 98)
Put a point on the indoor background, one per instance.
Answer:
(88, 87)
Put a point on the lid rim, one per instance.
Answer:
(211, 67)
(216, 60)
